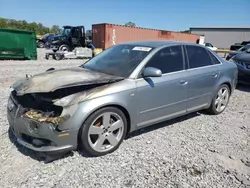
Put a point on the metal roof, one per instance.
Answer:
(221, 27)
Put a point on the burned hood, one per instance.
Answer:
(63, 78)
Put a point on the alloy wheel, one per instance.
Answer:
(221, 99)
(105, 132)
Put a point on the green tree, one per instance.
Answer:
(3, 23)
(24, 25)
(55, 29)
(33, 27)
(130, 24)
(46, 30)
(40, 29)
(12, 23)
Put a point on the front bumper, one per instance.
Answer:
(51, 46)
(37, 136)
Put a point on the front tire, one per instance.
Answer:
(220, 100)
(64, 48)
(103, 131)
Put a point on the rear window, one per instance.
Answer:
(214, 59)
(198, 57)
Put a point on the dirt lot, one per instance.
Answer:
(193, 151)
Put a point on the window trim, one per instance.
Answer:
(139, 76)
(188, 65)
(211, 54)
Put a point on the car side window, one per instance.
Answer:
(169, 59)
(198, 57)
(75, 32)
(214, 59)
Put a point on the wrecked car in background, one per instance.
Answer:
(126, 87)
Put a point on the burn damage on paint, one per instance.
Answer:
(54, 107)
(40, 104)
(54, 80)
(47, 97)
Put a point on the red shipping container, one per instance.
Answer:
(107, 35)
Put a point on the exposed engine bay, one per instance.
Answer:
(41, 107)
(45, 97)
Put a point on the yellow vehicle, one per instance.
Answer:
(96, 51)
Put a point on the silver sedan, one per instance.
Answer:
(126, 87)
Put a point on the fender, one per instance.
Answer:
(85, 108)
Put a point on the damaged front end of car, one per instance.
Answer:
(43, 120)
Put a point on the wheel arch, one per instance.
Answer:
(226, 83)
(66, 45)
(229, 86)
(126, 113)
(119, 106)
(217, 86)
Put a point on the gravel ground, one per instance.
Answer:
(193, 151)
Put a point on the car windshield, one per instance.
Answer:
(245, 48)
(66, 31)
(245, 42)
(119, 60)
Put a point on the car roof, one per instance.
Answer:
(159, 43)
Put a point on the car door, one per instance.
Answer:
(203, 75)
(161, 98)
(75, 36)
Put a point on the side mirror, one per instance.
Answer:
(151, 72)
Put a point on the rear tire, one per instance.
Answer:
(220, 100)
(40, 45)
(103, 131)
(58, 56)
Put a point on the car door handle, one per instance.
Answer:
(215, 75)
(184, 82)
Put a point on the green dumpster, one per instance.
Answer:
(17, 44)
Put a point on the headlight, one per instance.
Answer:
(77, 97)
(10, 104)
(70, 99)
(65, 101)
